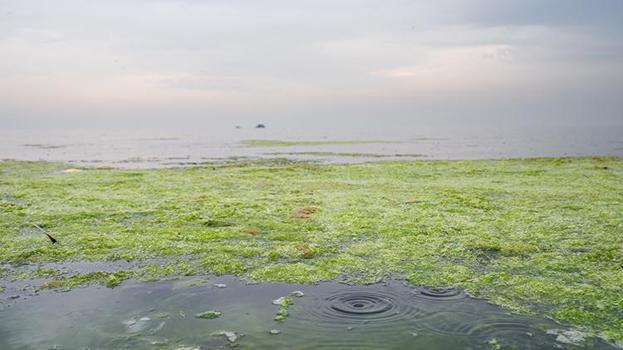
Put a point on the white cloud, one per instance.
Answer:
(241, 57)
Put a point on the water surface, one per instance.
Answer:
(329, 315)
(144, 148)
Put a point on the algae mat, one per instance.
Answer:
(534, 235)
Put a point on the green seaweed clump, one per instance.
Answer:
(284, 305)
(208, 314)
(108, 279)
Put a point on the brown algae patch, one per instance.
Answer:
(252, 230)
(304, 212)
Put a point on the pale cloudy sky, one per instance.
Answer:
(70, 62)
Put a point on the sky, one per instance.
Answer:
(165, 62)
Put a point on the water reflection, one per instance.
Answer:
(328, 316)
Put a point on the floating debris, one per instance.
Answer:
(163, 315)
(494, 344)
(571, 336)
(232, 337)
(220, 285)
(280, 301)
(182, 314)
(297, 293)
(52, 239)
(135, 325)
(284, 304)
(274, 331)
(208, 314)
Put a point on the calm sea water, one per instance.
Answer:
(327, 316)
(152, 147)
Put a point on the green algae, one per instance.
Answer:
(109, 279)
(39, 272)
(284, 307)
(281, 143)
(210, 314)
(284, 304)
(331, 154)
(534, 235)
(172, 269)
(346, 154)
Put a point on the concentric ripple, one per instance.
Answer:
(482, 328)
(355, 317)
(372, 306)
(353, 305)
(431, 293)
(361, 303)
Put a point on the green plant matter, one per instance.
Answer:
(284, 307)
(346, 154)
(281, 143)
(208, 314)
(532, 235)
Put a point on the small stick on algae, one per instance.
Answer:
(47, 234)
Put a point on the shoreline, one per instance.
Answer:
(282, 158)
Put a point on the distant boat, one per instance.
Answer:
(260, 126)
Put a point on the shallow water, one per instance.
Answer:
(148, 148)
(328, 316)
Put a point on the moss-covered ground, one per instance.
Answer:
(535, 235)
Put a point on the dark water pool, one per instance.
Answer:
(328, 316)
